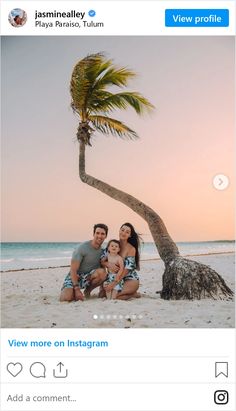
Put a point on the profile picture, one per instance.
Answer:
(17, 17)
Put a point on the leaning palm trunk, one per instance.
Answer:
(182, 278)
(93, 101)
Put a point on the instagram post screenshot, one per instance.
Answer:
(118, 205)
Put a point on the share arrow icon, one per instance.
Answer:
(60, 371)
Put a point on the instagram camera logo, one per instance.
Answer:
(221, 397)
(17, 17)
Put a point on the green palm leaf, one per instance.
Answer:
(108, 102)
(83, 78)
(92, 98)
(107, 125)
(114, 76)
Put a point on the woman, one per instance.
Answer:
(129, 251)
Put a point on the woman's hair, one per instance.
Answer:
(112, 241)
(134, 240)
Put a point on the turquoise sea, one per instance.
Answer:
(19, 256)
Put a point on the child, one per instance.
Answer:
(114, 283)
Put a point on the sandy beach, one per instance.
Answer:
(30, 300)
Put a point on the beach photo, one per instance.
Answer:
(117, 182)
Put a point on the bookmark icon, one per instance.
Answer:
(221, 368)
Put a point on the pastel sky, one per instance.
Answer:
(185, 142)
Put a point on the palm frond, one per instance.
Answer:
(82, 80)
(79, 87)
(114, 76)
(90, 81)
(109, 102)
(107, 125)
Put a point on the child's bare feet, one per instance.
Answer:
(87, 293)
(102, 293)
(114, 294)
(109, 295)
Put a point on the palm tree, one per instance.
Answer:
(93, 101)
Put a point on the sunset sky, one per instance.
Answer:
(183, 144)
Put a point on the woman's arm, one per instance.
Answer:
(120, 275)
(110, 266)
(131, 253)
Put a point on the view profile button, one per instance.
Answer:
(196, 17)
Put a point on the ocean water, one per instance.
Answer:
(20, 256)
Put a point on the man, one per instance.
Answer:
(85, 270)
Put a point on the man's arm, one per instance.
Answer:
(104, 262)
(75, 264)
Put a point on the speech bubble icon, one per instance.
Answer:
(38, 370)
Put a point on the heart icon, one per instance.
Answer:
(14, 368)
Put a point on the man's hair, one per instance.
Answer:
(104, 226)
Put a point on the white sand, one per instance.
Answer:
(30, 300)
